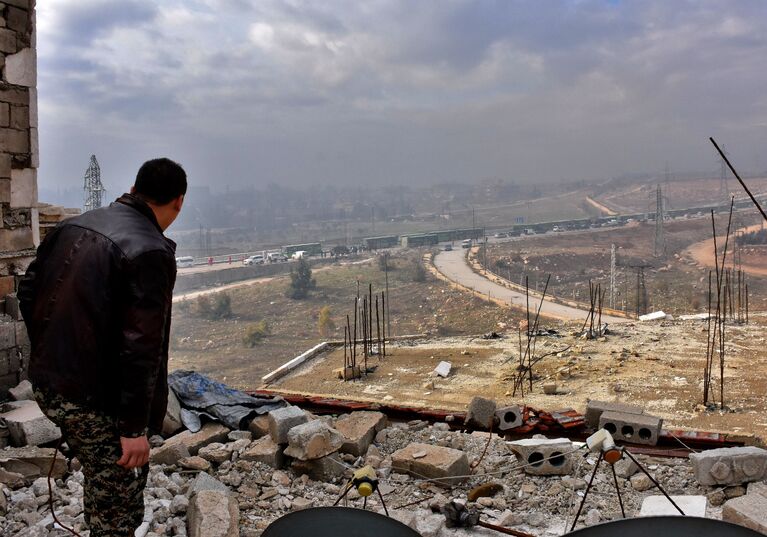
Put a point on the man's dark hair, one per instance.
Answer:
(160, 181)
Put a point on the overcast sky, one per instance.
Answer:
(398, 92)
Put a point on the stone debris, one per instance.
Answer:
(313, 440)
(749, 511)
(27, 425)
(481, 413)
(22, 392)
(447, 466)
(282, 420)
(545, 456)
(730, 466)
(172, 422)
(634, 428)
(358, 430)
(443, 369)
(594, 410)
(660, 506)
(265, 451)
(212, 513)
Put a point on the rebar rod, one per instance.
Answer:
(732, 169)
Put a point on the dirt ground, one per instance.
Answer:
(656, 365)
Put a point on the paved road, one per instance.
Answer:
(453, 265)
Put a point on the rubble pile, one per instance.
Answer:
(221, 482)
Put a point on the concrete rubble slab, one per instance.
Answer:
(481, 413)
(283, 420)
(210, 432)
(446, 466)
(443, 369)
(546, 456)
(660, 506)
(215, 452)
(313, 440)
(212, 513)
(259, 426)
(11, 459)
(634, 428)
(28, 426)
(730, 466)
(327, 468)
(359, 430)
(204, 481)
(22, 392)
(265, 451)
(749, 511)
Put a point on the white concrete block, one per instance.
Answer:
(660, 506)
(23, 188)
(443, 369)
(28, 426)
(21, 68)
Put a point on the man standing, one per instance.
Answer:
(97, 305)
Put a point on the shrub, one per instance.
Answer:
(217, 307)
(301, 281)
(325, 322)
(418, 272)
(256, 333)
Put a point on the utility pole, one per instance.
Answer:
(612, 277)
(94, 189)
(660, 243)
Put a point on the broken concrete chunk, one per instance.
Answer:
(443, 369)
(215, 452)
(445, 465)
(28, 426)
(265, 451)
(212, 513)
(509, 417)
(259, 426)
(481, 413)
(640, 482)
(594, 410)
(322, 469)
(11, 479)
(625, 468)
(313, 440)
(172, 422)
(205, 481)
(358, 430)
(544, 456)
(22, 392)
(749, 511)
(194, 463)
(730, 466)
(169, 453)
(634, 428)
(210, 432)
(550, 388)
(660, 506)
(283, 420)
(33, 462)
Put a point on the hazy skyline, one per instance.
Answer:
(398, 92)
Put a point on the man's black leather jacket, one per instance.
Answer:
(97, 305)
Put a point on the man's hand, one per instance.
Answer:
(135, 452)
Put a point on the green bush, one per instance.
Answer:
(256, 333)
(417, 271)
(301, 281)
(215, 307)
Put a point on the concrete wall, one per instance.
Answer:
(19, 159)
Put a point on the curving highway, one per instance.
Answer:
(454, 267)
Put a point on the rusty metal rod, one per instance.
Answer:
(732, 169)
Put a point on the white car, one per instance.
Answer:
(185, 261)
(253, 260)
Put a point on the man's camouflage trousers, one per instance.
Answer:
(114, 496)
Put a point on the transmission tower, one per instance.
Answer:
(612, 277)
(660, 242)
(94, 189)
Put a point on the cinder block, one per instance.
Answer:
(549, 456)
(749, 511)
(508, 417)
(729, 466)
(634, 428)
(594, 410)
(283, 420)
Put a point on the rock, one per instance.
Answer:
(313, 440)
(212, 513)
(22, 392)
(430, 525)
(32, 462)
(749, 511)
(215, 452)
(660, 506)
(323, 469)
(625, 468)
(194, 463)
(481, 413)
(169, 453)
(734, 492)
(299, 504)
(550, 388)
(445, 465)
(485, 501)
(759, 487)
(408, 518)
(716, 497)
(179, 504)
(259, 427)
(265, 451)
(28, 426)
(240, 435)
(641, 482)
(11, 479)
(509, 518)
(210, 433)
(205, 481)
(282, 420)
(592, 517)
(171, 424)
(358, 430)
(573, 483)
(730, 466)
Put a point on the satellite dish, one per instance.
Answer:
(666, 526)
(335, 522)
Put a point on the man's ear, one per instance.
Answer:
(133, 189)
(178, 202)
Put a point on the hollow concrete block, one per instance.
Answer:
(549, 456)
(730, 466)
(634, 428)
(594, 410)
(509, 417)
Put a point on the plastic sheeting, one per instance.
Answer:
(201, 396)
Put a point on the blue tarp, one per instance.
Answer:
(202, 396)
